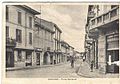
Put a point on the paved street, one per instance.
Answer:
(59, 71)
(85, 71)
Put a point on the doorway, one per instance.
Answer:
(9, 59)
(37, 58)
(45, 58)
(29, 58)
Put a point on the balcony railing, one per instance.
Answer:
(10, 42)
(105, 18)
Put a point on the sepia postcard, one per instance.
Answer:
(48, 42)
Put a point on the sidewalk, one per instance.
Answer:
(84, 70)
(32, 67)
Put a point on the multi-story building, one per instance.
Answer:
(43, 41)
(47, 38)
(57, 44)
(19, 35)
(102, 37)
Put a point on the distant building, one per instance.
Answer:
(19, 35)
(77, 55)
(102, 37)
(64, 49)
(71, 50)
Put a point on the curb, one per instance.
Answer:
(26, 68)
(80, 74)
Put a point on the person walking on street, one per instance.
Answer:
(72, 61)
(83, 58)
(91, 66)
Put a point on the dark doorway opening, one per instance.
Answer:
(9, 59)
(28, 58)
(37, 58)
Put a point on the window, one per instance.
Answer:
(113, 41)
(18, 35)
(19, 18)
(114, 55)
(7, 31)
(7, 13)
(19, 58)
(30, 38)
(30, 22)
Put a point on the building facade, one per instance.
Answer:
(43, 41)
(19, 33)
(47, 37)
(57, 44)
(102, 37)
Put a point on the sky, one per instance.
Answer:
(70, 18)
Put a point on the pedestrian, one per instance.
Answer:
(83, 58)
(91, 66)
(72, 61)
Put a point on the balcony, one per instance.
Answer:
(105, 18)
(10, 42)
(93, 34)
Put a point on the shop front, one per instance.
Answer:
(10, 57)
(46, 58)
(37, 58)
(10, 45)
(112, 53)
(29, 58)
(38, 53)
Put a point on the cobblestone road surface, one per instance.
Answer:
(59, 71)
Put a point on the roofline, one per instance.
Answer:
(72, 47)
(29, 9)
(57, 27)
(43, 26)
(65, 42)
